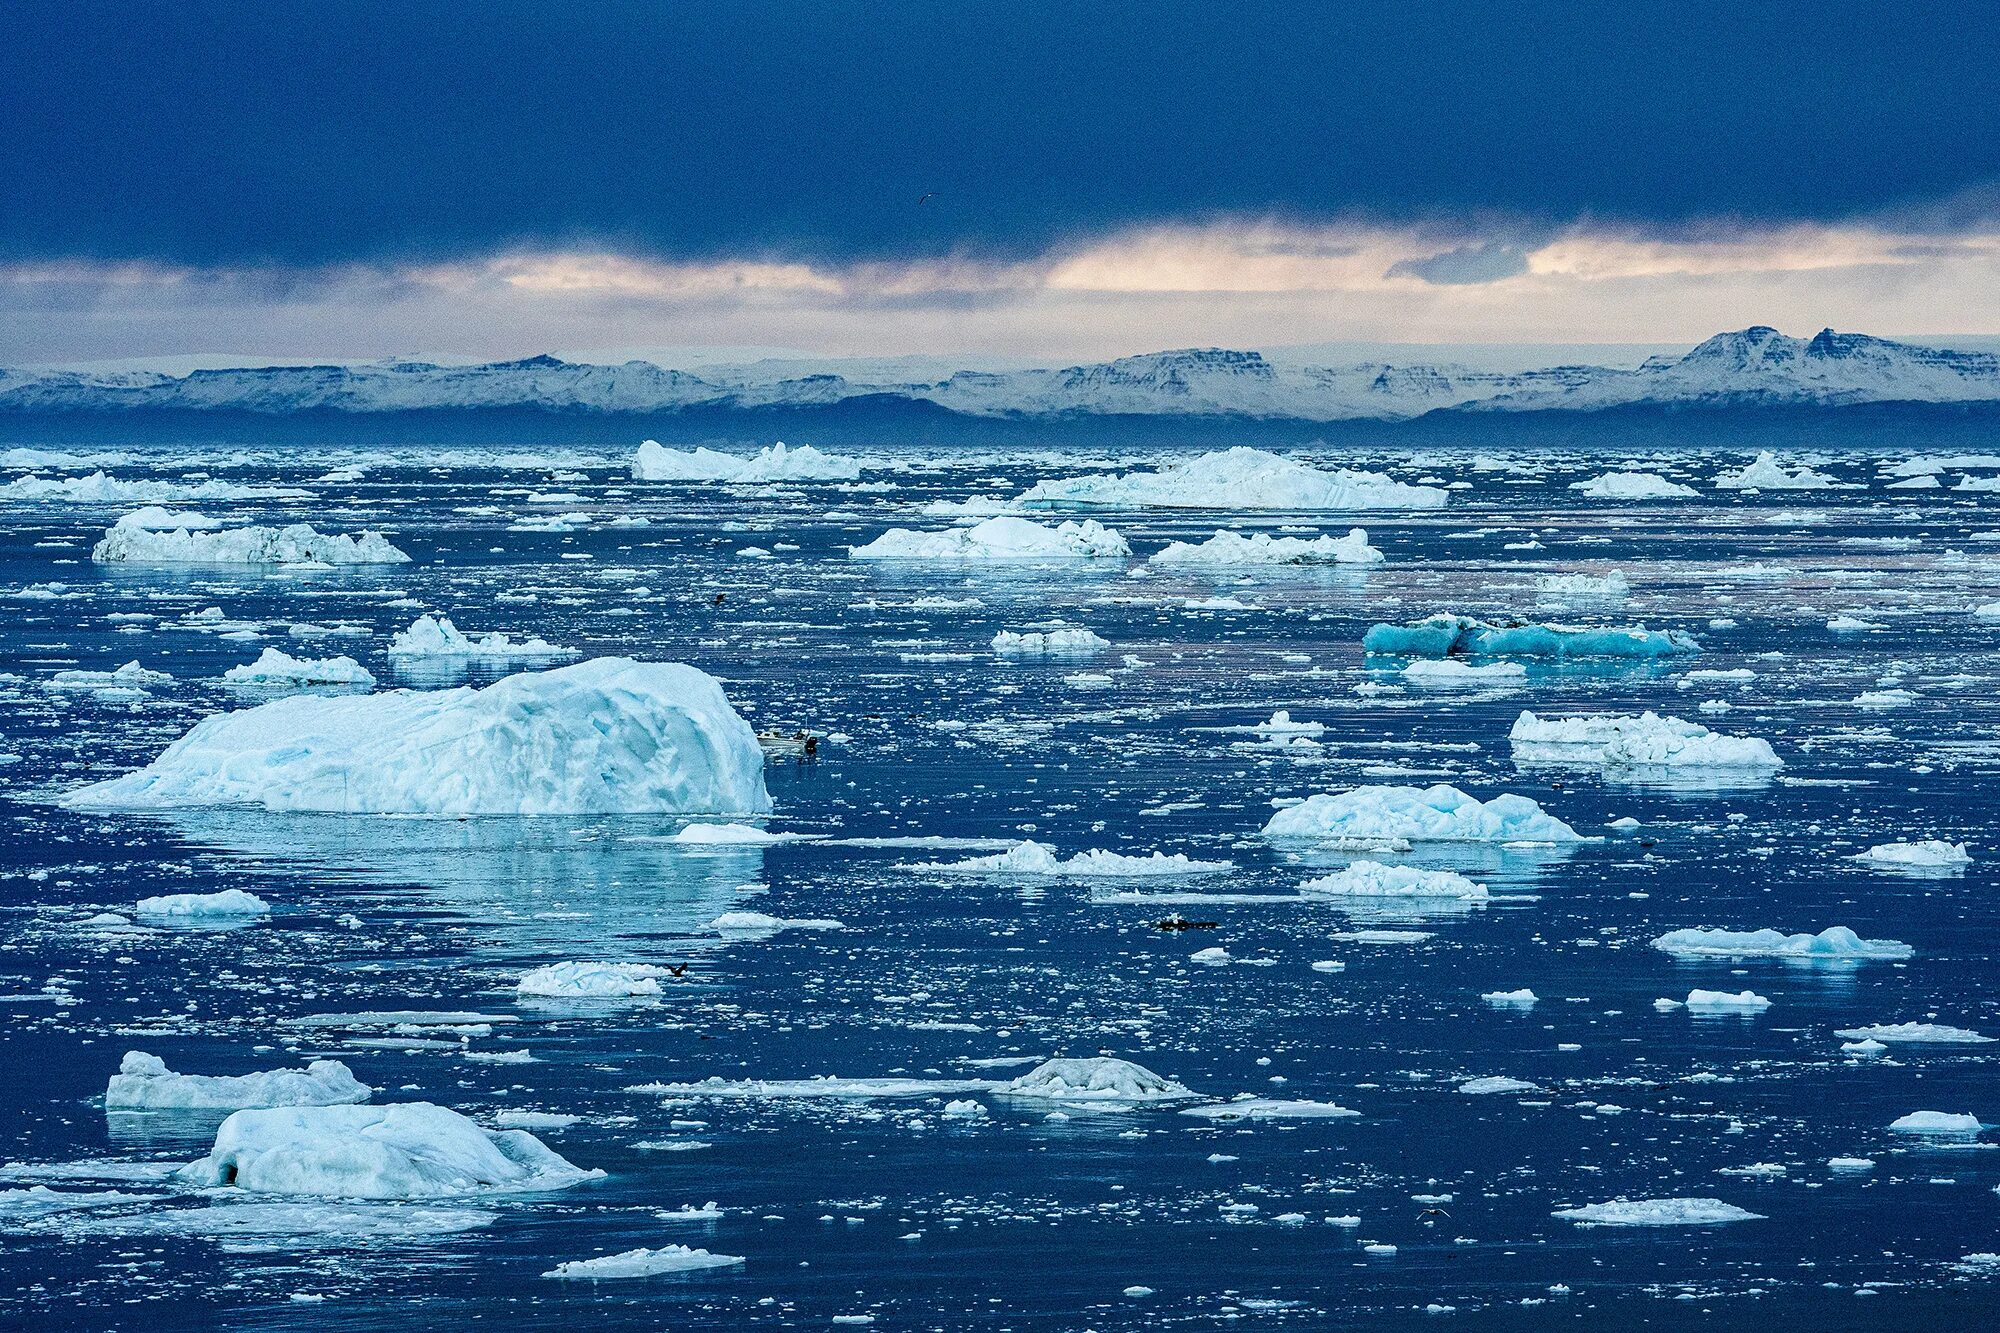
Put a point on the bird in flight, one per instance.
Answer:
(928, 195)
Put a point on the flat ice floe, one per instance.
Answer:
(1372, 879)
(656, 462)
(1931, 854)
(1452, 673)
(131, 676)
(760, 924)
(1037, 858)
(1066, 641)
(1261, 548)
(406, 1150)
(1922, 1033)
(1492, 1084)
(1248, 1107)
(1835, 942)
(131, 542)
(643, 1263)
(606, 736)
(1658, 1213)
(101, 488)
(1950, 1123)
(1418, 814)
(1003, 538)
(826, 1086)
(1646, 741)
(437, 637)
(1449, 635)
(1633, 486)
(1234, 479)
(1096, 1078)
(226, 903)
(274, 667)
(592, 981)
(1721, 999)
(1768, 474)
(143, 1082)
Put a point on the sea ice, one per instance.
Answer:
(1261, 548)
(1936, 1033)
(1658, 1213)
(656, 462)
(299, 544)
(1411, 814)
(1248, 1107)
(1095, 1078)
(275, 667)
(1835, 942)
(1003, 538)
(1237, 478)
(143, 1082)
(643, 1262)
(437, 637)
(1494, 1083)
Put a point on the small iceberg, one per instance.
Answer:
(144, 1083)
(1237, 478)
(592, 981)
(1768, 474)
(1036, 858)
(1095, 1078)
(1744, 1001)
(1936, 1122)
(1922, 1033)
(1833, 943)
(1618, 740)
(1930, 854)
(1248, 1107)
(1658, 1213)
(131, 542)
(1003, 538)
(655, 462)
(1364, 815)
(435, 637)
(1371, 879)
(1633, 486)
(1449, 635)
(1067, 641)
(281, 669)
(643, 1262)
(1261, 548)
(227, 903)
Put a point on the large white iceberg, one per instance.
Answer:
(406, 1150)
(1834, 942)
(1633, 486)
(1261, 548)
(136, 543)
(1234, 479)
(1002, 538)
(1097, 1078)
(437, 637)
(1768, 474)
(602, 737)
(1930, 854)
(1037, 858)
(656, 462)
(277, 668)
(1646, 741)
(1418, 814)
(1658, 1213)
(143, 1082)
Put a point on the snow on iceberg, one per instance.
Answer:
(406, 1150)
(1097, 1078)
(1448, 635)
(1372, 879)
(1646, 741)
(1037, 858)
(1418, 814)
(608, 736)
(1261, 548)
(1658, 1213)
(1768, 474)
(143, 1082)
(1003, 538)
(643, 1262)
(1835, 942)
(591, 981)
(656, 462)
(1633, 486)
(1067, 641)
(277, 668)
(1237, 478)
(1930, 854)
(229, 902)
(1921, 1033)
(134, 543)
(436, 637)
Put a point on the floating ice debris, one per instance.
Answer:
(1281, 724)
(407, 1150)
(129, 676)
(1612, 585)
(729, 835)
(1372, 879)
(143, 1082)
(299, 544)
(606, 736)
(1767, 474)
(1234, 479)
(592, 981)
(964, 1110)
(1645, 741)
(757, 923)
(1494, 1083)
(1410, 814)
(1658, 1213)
(1004, 538)
(1449, 635)
(1934, 1033)
(101, 488)
(1261, 548)
(39, 1201)
(656, 462)
(826, 1087)
(1069, 641)
(1096, 1078)
(276, 667)
(437, 637)
(1722, 999)
(228, 902)
(1633, 486)
(1248, 1107)
(1035, 858)
(1452, 673)
(1936, 1122)
(1931, 854)
(1523, 997)
(1835, 942)
(1849, 1164)
(643, 1262)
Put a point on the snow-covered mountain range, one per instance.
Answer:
(1756, 367)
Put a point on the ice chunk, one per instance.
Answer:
(606, 736)
(1522, 997)
(1372, 879)
(1931, 854)
(1247, 1107)
(129, 676)
(1495, 1083)
(1261, 548)
(298, 544)
(1281, 724)
(1412, 814)
(656, 462)
(814, 1089)
(1036, 858)
(592, 981)
(1658, 1213)
(1003, 538)
(406, 1150)
(280, 668)
(143, 1082)
(1096, 1078)
(1452, 673)
(643, 1262)
(1234, 479)
(1069, 641)
(729, 835)
(101, 488)
(437, 637)
(1616, 740)
(39, 1201)
(757, 923)
(1913, 1032)
(1768, 474)
(1449, 635)
(1936, 1122)
(1633, 486)
(1835, 942)
(229, 902)
(1722, 999)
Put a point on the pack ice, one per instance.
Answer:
(608, 736)
(143, 1082)
(406, 1150)
(1447, 635)
(656, 462)
(1002, 538)
(1418, 814)
(1237, 478)
(133, 540)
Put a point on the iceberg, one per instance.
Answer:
(1931, 854)
(1096, 1078)
(656, 462)
(1234, 479)
(130, 676)
(1069, 641)
(591, 981)
(143, 1082)
(761, 924)
(1835, 942)
(1036, 858)
(1450, 673)
(608, 736)
(1936, 1122)
(436, 637)
(1261, 548)
(275, 667)
(1495, 1083)
(1248, 1107)
(101, 488)
(1633, 486)
(1922, 1033)
(1413, 814)
(643, 1262)
(1646, 741)
(1767, 474)
(135, 543)
(1722, 999)
(229, 902)
(1447, 635)
(1003, 538)
(405, 1150)
(1372, 879)
(1658, 1213)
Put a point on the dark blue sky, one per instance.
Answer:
(226, 133)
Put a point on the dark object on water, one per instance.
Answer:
(810, 748)
(719, 599)
(1182, 923)
(677, 971)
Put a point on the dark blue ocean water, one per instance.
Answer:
(877, 1207)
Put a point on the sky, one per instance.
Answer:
(1021, 180)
